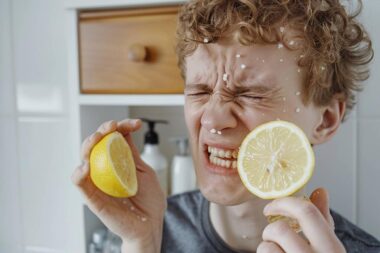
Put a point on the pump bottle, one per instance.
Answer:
(182, 170)
(152, 155)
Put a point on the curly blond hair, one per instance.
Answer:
(336, 49)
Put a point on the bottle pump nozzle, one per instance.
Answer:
(151, 137)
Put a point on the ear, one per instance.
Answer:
(331, 117)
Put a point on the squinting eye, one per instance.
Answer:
(252, 97)
(198, 94)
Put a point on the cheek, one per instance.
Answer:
(192, 117)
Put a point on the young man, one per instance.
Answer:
(245, 63)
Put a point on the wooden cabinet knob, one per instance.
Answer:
(137, 53)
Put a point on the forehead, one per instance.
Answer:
(263, 62)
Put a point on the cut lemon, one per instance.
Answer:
(113, 169)
(275, 160)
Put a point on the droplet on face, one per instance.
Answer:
(302, 56)
(243, 66)
(284, 98)
(280, 45)
(299, 70)
(225, 77)
(298, 93)
(323, 68)
(284, 110)
(281, 60)
(132, 208)
(263, 60)
(282, 29)
(238, 55)
(291, 42)
(143, 219)
(244, 236)
(298, 109)
(205, 40)
(213, 131)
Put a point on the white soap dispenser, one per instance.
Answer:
(152, 154)
(182, 170)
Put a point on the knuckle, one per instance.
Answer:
(278, 228)
(309, 209)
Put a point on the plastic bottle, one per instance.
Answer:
(152, 154)
(182, 170)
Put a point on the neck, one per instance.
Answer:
(241, 226)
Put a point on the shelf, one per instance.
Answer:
(93, 4)
(132, 100)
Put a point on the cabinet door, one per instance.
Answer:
(129, 51)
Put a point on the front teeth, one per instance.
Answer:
(223, 163)
(222, 153)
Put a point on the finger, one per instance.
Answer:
(312, 222)
(269, 247)
(127, 126)
(81, 178)
(107, 127)
(88, 144)
(280, 233)
(320, 199)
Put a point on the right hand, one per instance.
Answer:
(138, 219)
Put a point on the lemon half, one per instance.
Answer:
(113, 169)
(275, 160)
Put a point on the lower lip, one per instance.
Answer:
(215, 169)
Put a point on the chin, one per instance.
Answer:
(223, 190)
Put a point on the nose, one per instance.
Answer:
(218, 115)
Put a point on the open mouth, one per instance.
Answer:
(225, 158)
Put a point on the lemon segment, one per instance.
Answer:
(113, 169)
(275, 160)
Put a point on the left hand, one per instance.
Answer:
(315, 220)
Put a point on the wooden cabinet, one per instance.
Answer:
(129, 51)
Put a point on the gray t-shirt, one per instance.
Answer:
(188, 229)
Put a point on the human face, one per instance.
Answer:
(267, 87)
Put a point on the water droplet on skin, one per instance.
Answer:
(282, 29)
(299, 70)
(143, 219)
(298, 93)
(281, 60)
(263, 60)
(225, 76)
(244, 237)
(238, 56)
(302, 56)
(291, 42)
(243, 66)
(132, 208)
(284, 98)
(323, 68)
(284, 110)
(280, 45)
(298, 109)
(205, 40)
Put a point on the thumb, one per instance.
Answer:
(320, 198)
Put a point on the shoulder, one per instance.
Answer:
(354, 238)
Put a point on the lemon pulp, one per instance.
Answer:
(113, 169)
(275, 160)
